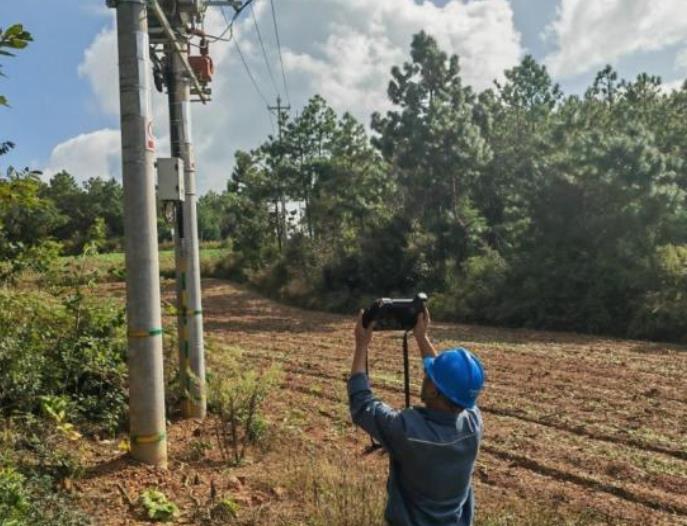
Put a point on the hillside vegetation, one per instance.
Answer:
(516, 206)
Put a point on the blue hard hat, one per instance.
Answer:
(457, 374)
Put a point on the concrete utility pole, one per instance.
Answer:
(146, 385)
(189, 307)
(281, 219)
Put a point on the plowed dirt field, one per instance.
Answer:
(595, 428)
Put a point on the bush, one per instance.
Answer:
(237, 401)
(32, 500)
(474, 293)
(662, 313)
(14, 500)
(72, 346)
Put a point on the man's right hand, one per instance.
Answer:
(422, 324)
(420, 332)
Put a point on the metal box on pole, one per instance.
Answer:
(170, 179)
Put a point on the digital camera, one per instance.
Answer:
(394, 314)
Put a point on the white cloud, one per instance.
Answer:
(99, 67)
(681, 61)
(675, 85)
(350, 65)
(591, 33)
(341, 49)
(94, 154)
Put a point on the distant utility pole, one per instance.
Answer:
(281, 219)
(189, 305)
(144, 325)
(280, 111)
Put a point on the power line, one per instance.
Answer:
(281, 61)
(252, 79)
(230, 26)
(230, 23)
(264, 53)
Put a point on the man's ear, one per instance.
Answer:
(432, 391)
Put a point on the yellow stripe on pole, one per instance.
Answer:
(148, 439)
(144, 334)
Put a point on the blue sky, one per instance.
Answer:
(50, 103)
(63, 105)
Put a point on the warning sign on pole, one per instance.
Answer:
(150, 138)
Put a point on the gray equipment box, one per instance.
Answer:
(170, 179)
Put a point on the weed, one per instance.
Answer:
(14, 501)
(225, 510)
(31, 499)
(237, 402)
(198, 449)
(157, 506)
(332, 489)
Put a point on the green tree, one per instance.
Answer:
(15, 37)
(436, 151)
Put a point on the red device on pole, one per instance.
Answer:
(202, 64)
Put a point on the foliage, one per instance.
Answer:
(661, 311)
(237, 400)
(14, 501)
(72, 346)
(157, 506)
(30, 498)
(518, 205)
(333, 491)
(225, 510)
(56, 407)
(14, 37)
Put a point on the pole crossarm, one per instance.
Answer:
(169, 32)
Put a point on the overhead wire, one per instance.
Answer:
(281, 60)
(264, 53)
(230, 29)
(248, 71)
(230, 23)
(250, 75)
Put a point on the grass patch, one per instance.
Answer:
(110, 266)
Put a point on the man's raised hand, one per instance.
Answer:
(363, 336)
(422, 324)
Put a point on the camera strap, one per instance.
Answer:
(406, 371)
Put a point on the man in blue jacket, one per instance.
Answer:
(432, 449)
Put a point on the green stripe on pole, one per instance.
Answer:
(148, 439)
(145, 334)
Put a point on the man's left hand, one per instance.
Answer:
(363, 336)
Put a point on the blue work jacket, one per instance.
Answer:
(431, 458)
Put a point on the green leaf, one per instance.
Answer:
(14, 30)
(18, 43)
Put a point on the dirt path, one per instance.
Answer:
(593, 426)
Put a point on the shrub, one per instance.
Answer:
(237, 401)
(33, 500)
(475, 292)
(72, 346)
(662, 313)
(14, 500)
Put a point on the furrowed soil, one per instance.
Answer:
(578, 429)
